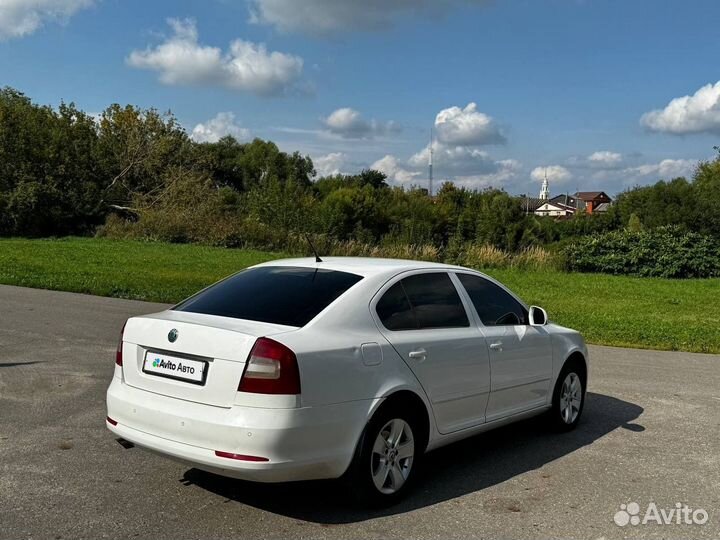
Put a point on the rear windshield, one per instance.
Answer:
(275, 294)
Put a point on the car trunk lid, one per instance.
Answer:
(219, 346)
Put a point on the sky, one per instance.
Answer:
(595, 94)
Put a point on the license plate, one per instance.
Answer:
(174, 367)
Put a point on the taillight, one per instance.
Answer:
(118, 351)
(271, 369)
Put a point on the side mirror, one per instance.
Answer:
(538, 316)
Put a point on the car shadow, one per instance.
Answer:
(449, 472)
(14, 364)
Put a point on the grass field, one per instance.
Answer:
(609, 310)
(124, 269)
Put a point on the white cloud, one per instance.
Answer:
(507, 171)
(330, 164)
(605, 158)
(467, 167)
(246, 66)
(688, 114)
(467, 127)
(455, 160)
(22, 17)
(349, 124)
(556, 174)
(667, 169)
(322, 17)
(216, 128)
(394, 170)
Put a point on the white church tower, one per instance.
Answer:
(545, 190)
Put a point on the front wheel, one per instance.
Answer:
(387, 459)
(568, 399)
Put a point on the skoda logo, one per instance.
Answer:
(172, 335)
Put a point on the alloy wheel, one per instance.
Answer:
(392, 456)
(570, 398)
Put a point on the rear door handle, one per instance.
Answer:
(420, 354)
(496, 346)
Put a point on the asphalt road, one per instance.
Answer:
(650, 434)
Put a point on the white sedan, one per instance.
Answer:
(347, 367)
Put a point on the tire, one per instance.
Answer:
(387, 458)
(569, 389)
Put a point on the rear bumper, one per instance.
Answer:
(299, 444)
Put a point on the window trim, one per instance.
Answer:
(466, 296)
(469, 309)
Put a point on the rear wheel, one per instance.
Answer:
(387, 459)
(568, 398)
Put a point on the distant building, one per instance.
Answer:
(530, 204)
(602, 208)
(594, 201)
(554, 209)
(545, 189)
(563, 206)
(566, 205)
(568, 200)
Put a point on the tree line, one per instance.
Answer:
(135, 172)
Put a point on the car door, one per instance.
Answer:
(426, 321)
(520, 354)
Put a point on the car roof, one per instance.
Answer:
(365, 266)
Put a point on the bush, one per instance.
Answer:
(669, 252)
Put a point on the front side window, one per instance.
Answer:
(422, 301)
(494, 305)
(286, 295)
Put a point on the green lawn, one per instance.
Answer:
(652, 313)
(121, 268)
(611, 310)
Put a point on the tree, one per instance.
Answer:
(48, 177)
(502, 220)
(135, 148)
(286, 206)
(706, 215)
(261, 160)
(634, 223)
(372, 178)
(222, 161)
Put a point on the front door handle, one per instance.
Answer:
(420, 355)
(496, 346)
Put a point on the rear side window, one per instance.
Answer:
(422, 301)
(494, 305)
(394, 310)
(274, 294)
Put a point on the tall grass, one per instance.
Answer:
(531, 258)
(484, 256)
(537, 258)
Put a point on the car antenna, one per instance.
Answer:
(317, 257)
